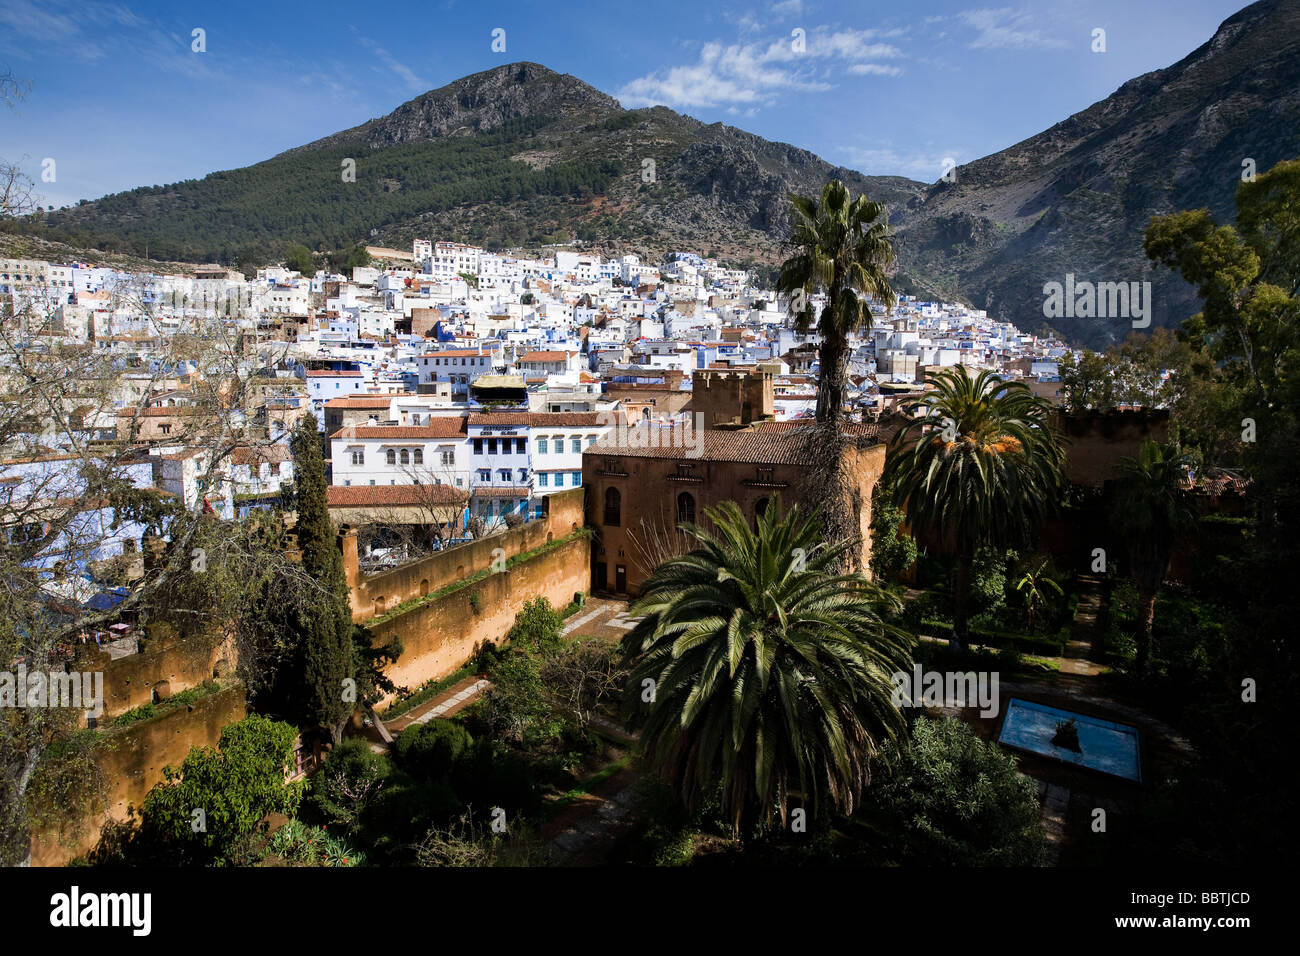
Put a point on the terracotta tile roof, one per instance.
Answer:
(649, 441)
(542, 419)
(546, 356)
(499, 418)
(488, 491)
(857, 429)
(330, 373)
(364, 401)
(445, 426)
(372, 496)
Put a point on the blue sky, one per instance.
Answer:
(119, 99)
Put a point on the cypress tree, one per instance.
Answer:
(324, 630)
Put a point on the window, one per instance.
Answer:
(575, 445)
(503, 474)
(613, 507)
(358, 458)
(577, 479)
(478, 446)
(521, 446)
(492, 446)
(541, 446)
(165, 429)
(485, 474)
(591, 440)
(686, 507)
(392, 456)
(417, 456)
(448, 457)
(543, 479)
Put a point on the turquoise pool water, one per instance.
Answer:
(1106, 746)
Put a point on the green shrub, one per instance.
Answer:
(955, 800)
(430, 750)
(537, 627)
(348, 782)
(235, 787)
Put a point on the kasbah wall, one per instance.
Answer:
(132, 760)
(440, 635)
(371, 595)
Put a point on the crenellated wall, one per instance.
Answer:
(169, 664)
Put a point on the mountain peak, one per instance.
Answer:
(481, 103)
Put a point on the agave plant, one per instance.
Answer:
(759, 669)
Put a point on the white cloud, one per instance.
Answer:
(875, 69)
(416, 84)
(1004, 28)
(753, 74)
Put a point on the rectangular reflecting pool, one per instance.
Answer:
(1103, 745)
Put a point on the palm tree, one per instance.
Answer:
(980, 466)
(760, 669)
(1152, 506)
(1036, 584)
(840, 247)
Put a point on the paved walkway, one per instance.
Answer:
(450, 702)
(604, 618)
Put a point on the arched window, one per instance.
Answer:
(392, 456)
(613, 507)
(406, 456)
(645, 414)
(686, 507)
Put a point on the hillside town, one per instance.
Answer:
(488, 377)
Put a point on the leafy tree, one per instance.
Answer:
(988, 578)
(767, 672)
(955, 800)
(1248, 280)
(980, 466)
(840, 247)
(516, 708)
(234, 786)
(892, 551)
(1151, 508)
(537, 627)
(298, 258)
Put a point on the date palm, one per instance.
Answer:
(840, 247)
(759, 669)
(979, 466)
(1152, 506)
